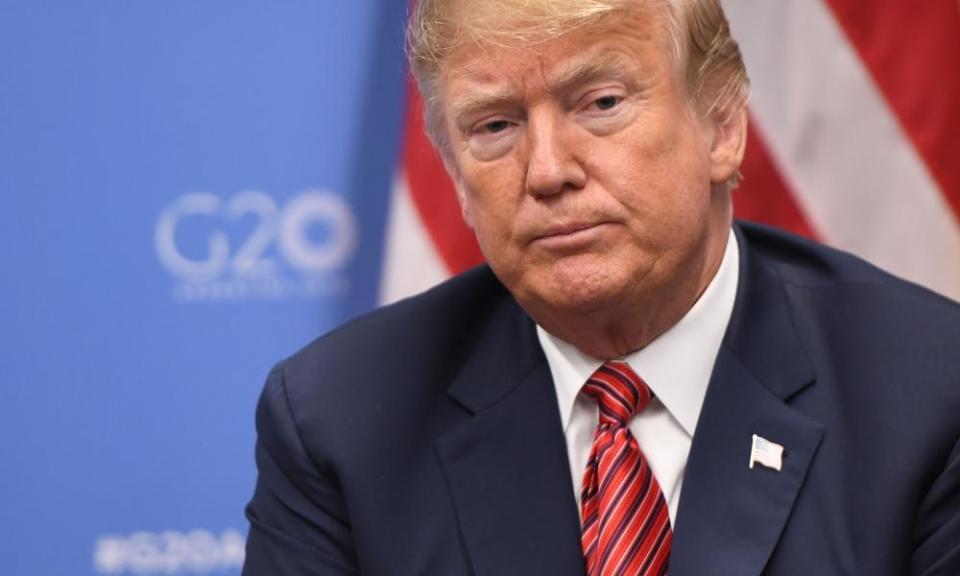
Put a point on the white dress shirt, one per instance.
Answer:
(676, 366)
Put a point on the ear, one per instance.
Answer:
(464, 199)
(728, 145)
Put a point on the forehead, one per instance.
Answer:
(625, 42)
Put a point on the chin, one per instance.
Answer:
(571, 290)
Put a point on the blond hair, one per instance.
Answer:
(709, 63)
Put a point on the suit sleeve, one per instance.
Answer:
(938, 524)
(298, 519)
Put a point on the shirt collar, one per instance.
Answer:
(676, 365)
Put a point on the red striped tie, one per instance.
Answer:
(626, 524)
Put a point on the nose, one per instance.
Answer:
(552, 166)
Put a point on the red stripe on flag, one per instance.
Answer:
(433, 193)
(912, 50)
(764, 195)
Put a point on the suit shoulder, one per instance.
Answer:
(863, 322)
(422, 337)
(378, 373)
(803, 264)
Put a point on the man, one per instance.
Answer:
(633, 385)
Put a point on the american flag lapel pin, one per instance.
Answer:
(766, 453)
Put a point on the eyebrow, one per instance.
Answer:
(605, 65)
(476, 101)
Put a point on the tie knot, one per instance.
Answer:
(619, 392)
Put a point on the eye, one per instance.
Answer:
(493, 136)
(494, 127)
(607, 102)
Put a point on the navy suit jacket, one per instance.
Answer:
(425, 438)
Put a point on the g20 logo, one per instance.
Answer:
(286, 228)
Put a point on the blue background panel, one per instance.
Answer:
(132, 353)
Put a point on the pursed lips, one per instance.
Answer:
(568, 234)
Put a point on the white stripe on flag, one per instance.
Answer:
(856, 175)
(411, 263)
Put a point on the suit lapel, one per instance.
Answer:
(731, 516)
(506, 465)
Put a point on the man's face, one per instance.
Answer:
(582, 168)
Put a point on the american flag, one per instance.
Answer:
(854, 140)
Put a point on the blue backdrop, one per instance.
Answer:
(192, 189)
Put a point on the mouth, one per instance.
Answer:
(570, 236)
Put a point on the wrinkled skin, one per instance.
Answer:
(597, 193)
